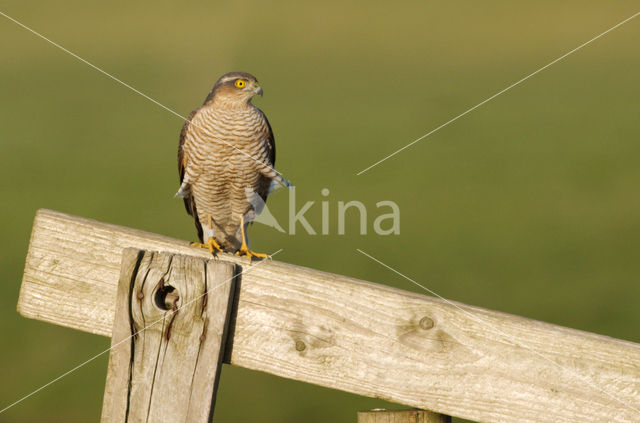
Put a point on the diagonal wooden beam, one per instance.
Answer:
(356, 336)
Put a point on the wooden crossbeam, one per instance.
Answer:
(356, 336)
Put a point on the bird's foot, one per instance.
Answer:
(245, 251)
(211, 245)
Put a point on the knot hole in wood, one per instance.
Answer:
(166, 296)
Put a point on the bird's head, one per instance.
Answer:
(235, 88)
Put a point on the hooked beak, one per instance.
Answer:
(258, 90)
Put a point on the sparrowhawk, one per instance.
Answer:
(225, 158)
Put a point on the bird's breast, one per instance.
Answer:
(229, 148)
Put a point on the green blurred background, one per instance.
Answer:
(528, 205)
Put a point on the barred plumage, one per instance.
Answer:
(226, 158)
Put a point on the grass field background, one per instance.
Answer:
(528, 205)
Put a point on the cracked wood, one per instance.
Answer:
(168, 338)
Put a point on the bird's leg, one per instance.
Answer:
(244, 248)
(212, 245)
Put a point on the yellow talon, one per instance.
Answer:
(245, 251)
(211, 245)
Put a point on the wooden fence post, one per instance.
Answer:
(168, 338)
(401, 416)
(329, 330)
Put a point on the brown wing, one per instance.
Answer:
(189, 201)
(271, 143)
(265, 186)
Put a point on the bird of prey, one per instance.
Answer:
(225, 159)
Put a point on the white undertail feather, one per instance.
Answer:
(183, 191)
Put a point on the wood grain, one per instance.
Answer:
(401, 416)
(168, 338)
(356, 336)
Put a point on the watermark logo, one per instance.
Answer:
(386, 216)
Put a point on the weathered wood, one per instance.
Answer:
(356, 336)
(168, 338)
(401, 416)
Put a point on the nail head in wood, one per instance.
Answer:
(427, 323)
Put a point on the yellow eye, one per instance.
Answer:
(240, 83)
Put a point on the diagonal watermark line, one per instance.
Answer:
(507, 336)
(497, 94)
(156, 102)
(169, 313)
